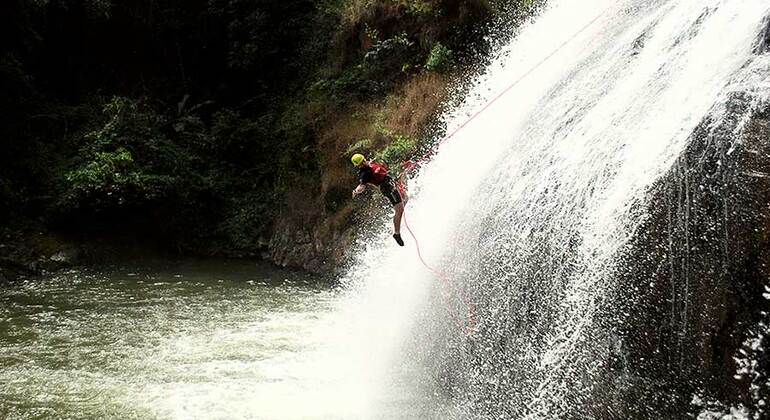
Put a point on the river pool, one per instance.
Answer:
(177, 340)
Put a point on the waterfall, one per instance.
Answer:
(533, 210)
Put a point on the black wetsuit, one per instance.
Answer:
(387, 186)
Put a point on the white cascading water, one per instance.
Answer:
(525, 208)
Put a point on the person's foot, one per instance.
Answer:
(398, 239)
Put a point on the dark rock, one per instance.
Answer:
(762, 45)
(316, 247)
(693, 276)
(679, 301)
(64, 258)
(12, 270)
(30, 252)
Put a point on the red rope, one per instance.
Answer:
(467, 327)
(410, 165)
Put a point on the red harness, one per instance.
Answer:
(379, 172)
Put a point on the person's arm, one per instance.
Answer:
(364, 176)
(359, 189)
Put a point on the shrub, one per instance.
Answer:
(127, 162)
(377, 72)
(386, 58)
(136, 128)
(419, 7)
(351, 84)
(440, 59)
(112, 179)
(398, 150)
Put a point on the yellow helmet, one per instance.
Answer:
(357, 159)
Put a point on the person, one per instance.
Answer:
(371, 173)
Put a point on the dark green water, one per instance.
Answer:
(215, 340)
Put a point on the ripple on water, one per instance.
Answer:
(148, 344)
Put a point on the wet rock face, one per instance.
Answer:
(292, 246)
(314, 247)
(763, 42)
(692, 278)
(684, 294)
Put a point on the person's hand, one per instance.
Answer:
(355, 193)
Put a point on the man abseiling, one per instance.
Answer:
(376, 174)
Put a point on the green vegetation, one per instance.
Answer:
(397, 151)
(440, 59)
(105, 174)
(200, 122)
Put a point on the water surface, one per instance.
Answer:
(183, 340)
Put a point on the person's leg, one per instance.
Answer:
(390, 191)
(397, 217)
(399, 208)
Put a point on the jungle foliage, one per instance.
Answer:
(188, 120)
